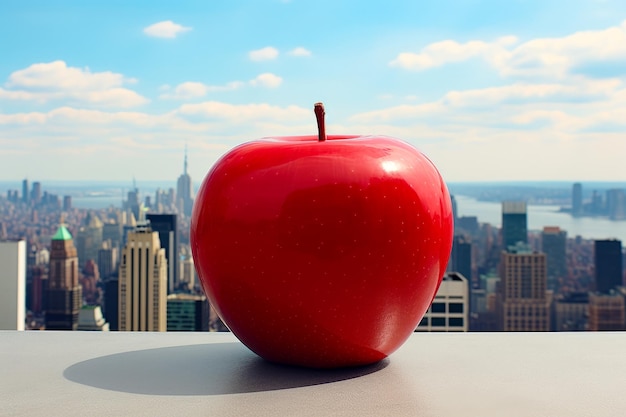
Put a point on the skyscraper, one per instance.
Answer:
(35, 194)
(577, 199)
(12, 285)
(90, 319)
(461, 257)
(616, 204)
(187, 312)
(142, 299)
(514, 223)
(608, 265)
(449, 311)
(553, 241)
(89, 239)
(165, 226)
(184, 191)
(64, 292)
(25, 191)
(524, 305)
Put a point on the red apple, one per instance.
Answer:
(322, 253)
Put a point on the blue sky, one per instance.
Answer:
(489, 90)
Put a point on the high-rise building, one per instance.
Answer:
(64, 298)
(112, 230)
(553, 244)
(107, 260)
(90, 319)
(187, 313)
(608, 263)
(38, 287)
(449, 311)
(142, 301)
(89, 239)
(25, 191)
(67, 202)
(524, 301)
(461, 257)
(12, 285)
(111, 304)
(514, 223)
(35, 193)
(606, 312)
(184, 191)
(165, 226)
(616, 204)
(187, 275)
(577, 199)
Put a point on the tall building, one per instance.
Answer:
(606, 312)
(35, 194)
(608, 263)
(187, 277)
(111, 304)
(107, 260)
(461, 257)
(553, 244)
(449, 311)
(64, 298)
(142, 301)
(90, 319)
(524, 302)
(89, 239)
(616, 204)
(25, 191)
(514, 223)
(577, 199)
(12, 285)
(187, 313)
(184, 191)
(165, 226)
(67, 202)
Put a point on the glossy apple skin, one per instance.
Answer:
(322, 254)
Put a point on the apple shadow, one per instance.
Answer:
(210, 369)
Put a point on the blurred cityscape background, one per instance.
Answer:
(538, 256)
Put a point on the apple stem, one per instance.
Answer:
(321, 123)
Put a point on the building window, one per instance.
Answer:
(455, 307)
(438, 322)
(438, 308)
(455, 322)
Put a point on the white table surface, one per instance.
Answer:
(212, 374)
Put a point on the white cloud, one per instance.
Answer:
(558, 57)
(243, 112)
(555, 58)
(165, 29)
(444, 52)
(190, 89)
(57, 75)
(45, 82)
(267, 80)
(264, 54)
(300, 51)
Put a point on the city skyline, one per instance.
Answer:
(108, 92)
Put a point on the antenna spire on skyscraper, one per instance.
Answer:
(185, 168)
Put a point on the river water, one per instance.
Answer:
(540, 216)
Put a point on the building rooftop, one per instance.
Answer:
(199, 374)
(62, 234)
